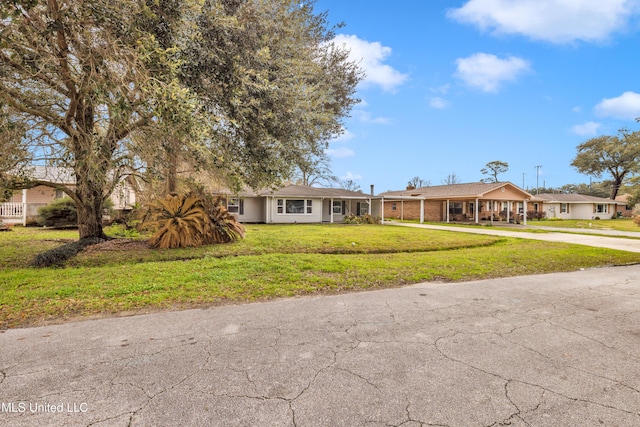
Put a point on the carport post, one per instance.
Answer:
(525, 211)
(421, 211)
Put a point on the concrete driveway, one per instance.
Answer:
(548, 350)
(610, 239)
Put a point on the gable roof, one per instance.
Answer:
(304, 191)
(573, 198)
(56, 175)
(469, 190)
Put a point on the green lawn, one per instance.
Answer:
(622, 224)
(273, 261)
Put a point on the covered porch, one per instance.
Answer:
(471, 203)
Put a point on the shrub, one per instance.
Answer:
(222, 226)
(191, 220)
(539, 215)
(59, 213)
(363, 219)
(179, 221)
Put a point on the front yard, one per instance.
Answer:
(273, 261)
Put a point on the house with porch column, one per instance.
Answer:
(22, 207)
(471, 202)
(298, 204)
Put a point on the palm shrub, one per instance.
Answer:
(223, 226)
(193, 219)
(179, 221)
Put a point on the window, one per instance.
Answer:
(394, 207)
(601, 208)
(294, 206)
(236, 206)
(362, 208)
(564, 208)
(536, 207)
(59, 194)
(455, 208)
(520, 207)
(337, 206)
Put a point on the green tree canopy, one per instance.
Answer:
(109, 89)
(617, 155)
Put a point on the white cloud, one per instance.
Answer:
(371, 56)
(577, 109)
(351, 176)
(438, 103)
(366, 117)
(625, 107)
(555, 21)
(441, 89)
(586, 129)
(487, 72)
(340, 152)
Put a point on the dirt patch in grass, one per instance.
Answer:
(118, 245)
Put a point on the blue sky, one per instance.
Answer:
(452, 85)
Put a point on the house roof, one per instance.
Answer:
(573, 198)
(52, 174)
(474, 189)
(304, 191)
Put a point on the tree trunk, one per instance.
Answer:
(89, 202)
(614, 190)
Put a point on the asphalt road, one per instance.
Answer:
(548, 350)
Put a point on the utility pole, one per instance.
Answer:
(537, 173)
(523, 174)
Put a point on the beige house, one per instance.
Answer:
(299, 204)
(472, 202)
(22, 208)
(577, 206)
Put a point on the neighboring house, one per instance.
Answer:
(577, 206)
(22, 208)
(299, 204)
(472, 202)
(627, 209)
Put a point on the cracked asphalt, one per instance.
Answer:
(547, 350)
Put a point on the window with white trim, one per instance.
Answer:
(602, 208)
(294, 206)
(337, 207)
(236, 206)
(564, 208)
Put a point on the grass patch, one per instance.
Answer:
(272, 262)
(621, 224)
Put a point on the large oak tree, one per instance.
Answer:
(108, 89)
(617, 155)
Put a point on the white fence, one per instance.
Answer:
(11, 210)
